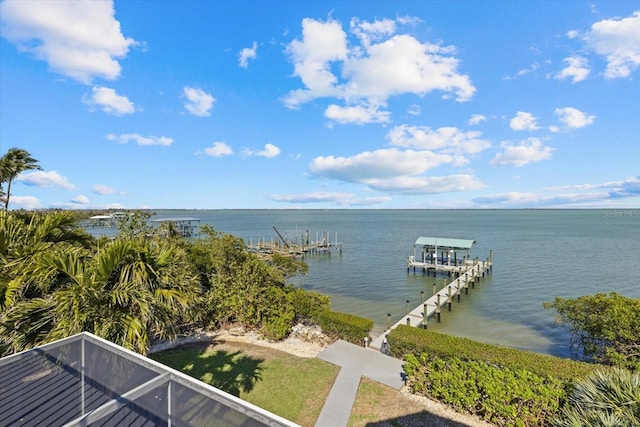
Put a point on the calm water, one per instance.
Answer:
(537, 254)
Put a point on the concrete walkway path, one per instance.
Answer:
(355, 362)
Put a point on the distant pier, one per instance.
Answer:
(295, 248)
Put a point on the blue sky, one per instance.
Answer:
(320, 104)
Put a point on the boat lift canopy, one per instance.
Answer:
(444, 243)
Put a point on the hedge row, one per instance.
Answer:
(508, 387)
(345, 326)
(405, 340)
(502, 396)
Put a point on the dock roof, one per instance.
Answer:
(445, 243)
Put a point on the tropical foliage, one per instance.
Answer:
(57, 280)
(605, 327)
(605, 399)
(14, 162)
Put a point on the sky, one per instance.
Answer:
(213, 104)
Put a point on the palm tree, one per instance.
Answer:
(14, 162)
(24, 235)
(127, 292)
(607, 398)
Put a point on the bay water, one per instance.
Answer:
(538, 255)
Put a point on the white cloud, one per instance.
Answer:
(583, 195)
(369, 32)
(269, 151)
(523, 121)
(199, 103)
(246, 54)
(218, 149)
(342, 199)
(445, 139)
(408, 20)
(530, 150)
(574, 118)
(618, 41)
(414, 110)
(80, 39)
(379, 164)
(577, 69)
(80, 200)
(321, 44)
(356, 114)
(24, 202)
(427, 184)
(375, 65)
(102, 189)
(524, 71)
(109, 101)
(476, 119)
(140, 140)
(45, 179)
(402, 65)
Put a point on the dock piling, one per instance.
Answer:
(424, 315)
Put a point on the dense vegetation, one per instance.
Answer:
(502, 385)
(56, 280)
(604, 327)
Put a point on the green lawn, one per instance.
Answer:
(293, 387)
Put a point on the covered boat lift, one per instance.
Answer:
(439, 253)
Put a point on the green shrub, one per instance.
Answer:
(504, 385)
(502, 396)
(405, 340)
(277, 314)
(308, 305)
(345, 326)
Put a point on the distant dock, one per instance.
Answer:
(295, 248)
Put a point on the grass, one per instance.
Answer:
(293, 387)
(380, 405)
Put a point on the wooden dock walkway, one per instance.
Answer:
(468, 275)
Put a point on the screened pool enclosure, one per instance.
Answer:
(84, 380)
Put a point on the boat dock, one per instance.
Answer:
(439, 254)
(466, 276)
